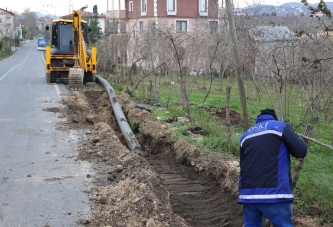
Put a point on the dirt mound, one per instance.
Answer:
(235, 117)
(176, 185)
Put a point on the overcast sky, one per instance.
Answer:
(58, 7)
(61, 7)
(242, 3)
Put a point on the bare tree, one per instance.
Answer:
(240, 81)
(29, 20)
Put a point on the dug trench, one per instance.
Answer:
(174, 185)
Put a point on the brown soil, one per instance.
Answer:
(175, 185)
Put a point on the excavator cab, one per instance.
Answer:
(62, 40)
(69, 50)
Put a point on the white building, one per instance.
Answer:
(7, 23)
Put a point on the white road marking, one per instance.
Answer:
(57, 90)
(17, 65)
(56, 85)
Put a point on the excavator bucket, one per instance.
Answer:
(75, 79)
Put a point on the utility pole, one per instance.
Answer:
(240, 80)
(69, 6)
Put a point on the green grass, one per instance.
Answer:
(315, 183)
(314, 186)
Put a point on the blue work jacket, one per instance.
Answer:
(265, 151)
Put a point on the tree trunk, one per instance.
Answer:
(300, 161)
(142, 83)
(222, 71)
(227, 113)
(157, 87)
(170, 92)
(185, 96)
(238, 65)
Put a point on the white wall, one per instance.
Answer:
(114, 4)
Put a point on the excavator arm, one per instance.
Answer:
(79, 44)
(76, 74)
(82, 62)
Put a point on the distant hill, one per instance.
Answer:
(39, 14)
(292, 4)
(290, 8)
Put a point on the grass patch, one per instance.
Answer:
(314, 186)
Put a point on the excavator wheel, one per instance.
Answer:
(51, 77)
(88, 77)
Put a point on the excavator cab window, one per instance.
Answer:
(54, 40)
(62, 37)
(66, 44)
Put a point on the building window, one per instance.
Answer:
(181, 26)
(171, 7)
(213, 26)
(133, 34)
(221, 3)
(143, 7)
(140, 26)
(151, 25)
(130, 7)
(0, 20)
(203, 7)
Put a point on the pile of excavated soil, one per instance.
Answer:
(175, 185)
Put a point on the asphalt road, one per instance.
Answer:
(41, 184)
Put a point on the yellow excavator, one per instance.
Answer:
(68, 57)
